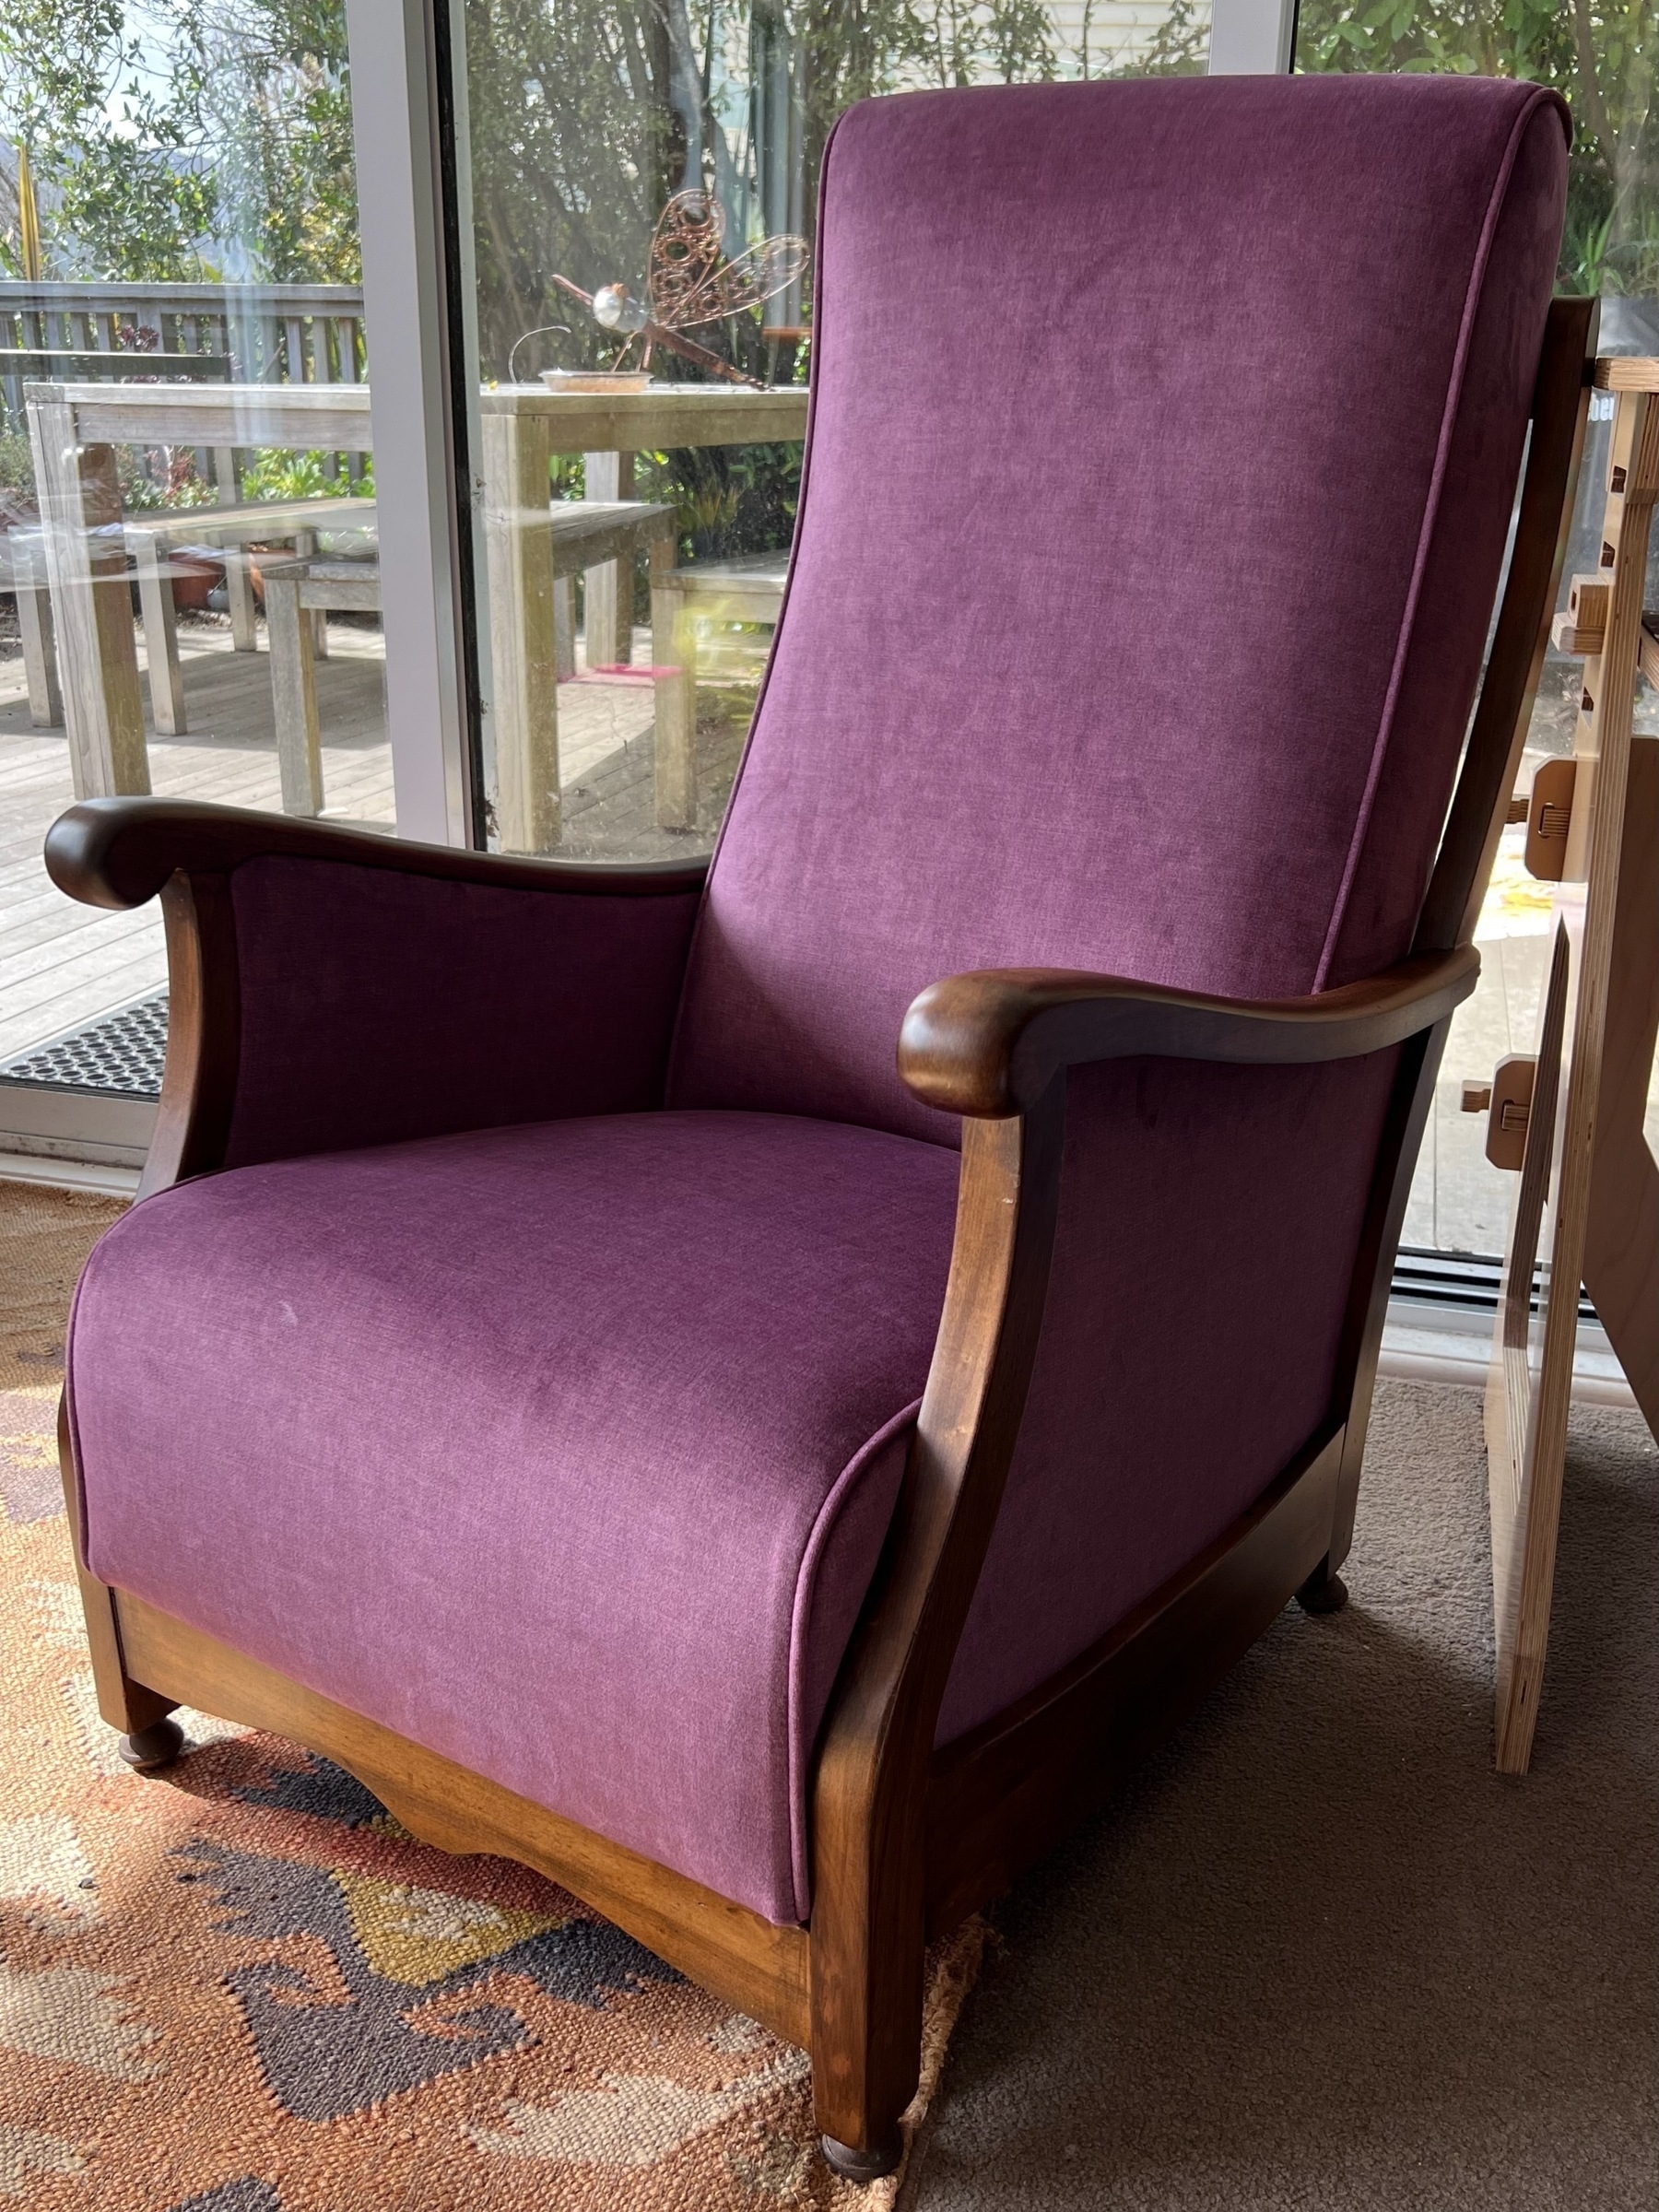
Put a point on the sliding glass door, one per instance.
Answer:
(1601, 58)
(641, 190)
(189, 600)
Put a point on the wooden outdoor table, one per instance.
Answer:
(75, 428)
(523, 426)
(581, 531)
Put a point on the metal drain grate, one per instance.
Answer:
(1468, 1281)
(118, 1056)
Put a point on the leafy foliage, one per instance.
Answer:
(587, 115)
(220, 143)
(234, 155)
(274, 474)
(1597, 53)
(222, 135)
(1178, 47)
(177, 483)
(16, 465)
(118, 178)
(276, 115)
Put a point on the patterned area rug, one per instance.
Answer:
(242, 1987)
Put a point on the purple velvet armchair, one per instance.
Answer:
(759, 1397)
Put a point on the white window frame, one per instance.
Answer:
(408, 288)
(1252, 38)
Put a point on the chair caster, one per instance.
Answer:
(860, 2165)
(154, 1746)
(1323, 1591)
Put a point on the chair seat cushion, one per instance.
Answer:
(564, 1450)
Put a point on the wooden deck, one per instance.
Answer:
(62, 964)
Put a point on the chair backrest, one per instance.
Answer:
(1163, 442)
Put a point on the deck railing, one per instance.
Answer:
(269, 332)
(274, 334)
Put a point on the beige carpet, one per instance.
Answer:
(1320, 1955)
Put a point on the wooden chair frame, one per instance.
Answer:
(905, 1841)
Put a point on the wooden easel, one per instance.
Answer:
(1570, 1116)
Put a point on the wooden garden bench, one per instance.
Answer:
(151, 535)
(585, 532)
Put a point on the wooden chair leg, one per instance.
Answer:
(859, 2165)
(160, 635)
(674, 655)
(149, 1737)
(40, 646)
(294, 696)
(564, 629)
(866, 2041)
(1323, 1592)
(868, 1957)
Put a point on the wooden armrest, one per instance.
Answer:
(990, 1042)
(120, 851)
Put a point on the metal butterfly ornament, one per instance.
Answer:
(690, 281)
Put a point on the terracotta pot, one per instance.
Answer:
(257, 554)
(193, 578)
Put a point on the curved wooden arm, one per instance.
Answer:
(120, 852)
(366, 1053)
(995, 1046)
(870, 1785)
(991, 1042)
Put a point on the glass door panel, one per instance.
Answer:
(1599, 58)
(185, 454)
(643, 186)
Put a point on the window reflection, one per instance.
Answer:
(188, 544)
(1599, 57)
(624, 156)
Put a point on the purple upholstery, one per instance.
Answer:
(1162, 448)
(1144, 414)
(567, 1451)
(378, 1005)
(1198, 549)
(1188, 1345)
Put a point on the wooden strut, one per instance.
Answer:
(905, 1839)
(1587, 1203)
